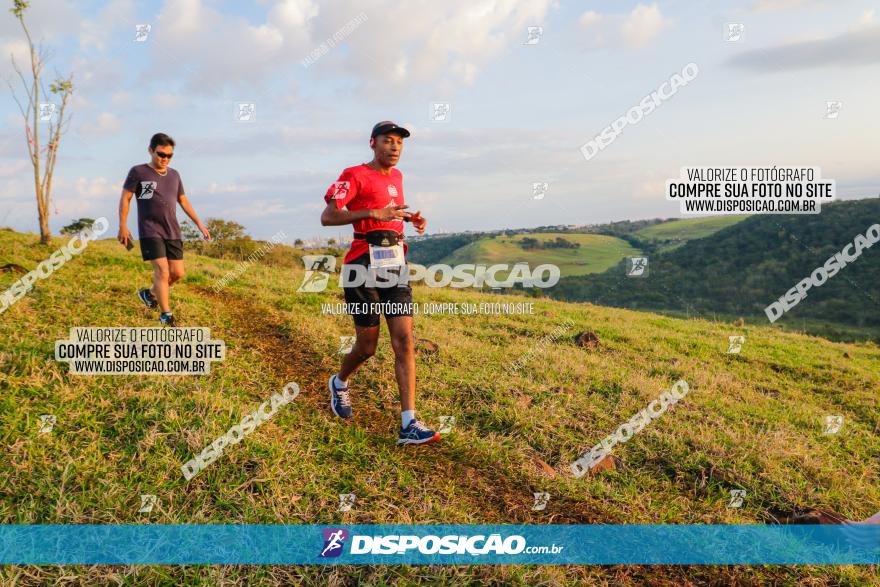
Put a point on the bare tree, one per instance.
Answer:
(43, 158)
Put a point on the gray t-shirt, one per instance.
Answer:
(157, 201)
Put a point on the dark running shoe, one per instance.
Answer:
(417, 433)
(148, 299)
(167, 319)
(340, 400)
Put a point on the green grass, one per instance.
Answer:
(677, 232)
(596, 254)
(751, 421)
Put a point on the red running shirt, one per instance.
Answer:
(364, 188)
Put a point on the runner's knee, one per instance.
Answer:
(364, 349)
(176, 275)
(402, 343)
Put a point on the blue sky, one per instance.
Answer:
(519, 112)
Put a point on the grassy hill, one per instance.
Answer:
(741, 269)
(596, 252)
(751, 421)
(674, 233)
(688, 229)
(601, 246)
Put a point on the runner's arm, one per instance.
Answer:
(187, 207)
(124, 201)
(333, 216)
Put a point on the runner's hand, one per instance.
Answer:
(124, 236)
(390, 213)
(418, 221)
(205, 232)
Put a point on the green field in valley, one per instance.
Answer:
(596, 253)
(677, 232)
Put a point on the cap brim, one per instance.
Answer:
(399, 130)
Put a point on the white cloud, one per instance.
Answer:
(166, 101)
(94, 188)
(83, 197)
(9, 168)
(228, 188)
(105, 123)
(210, 49)
(589, 19)
(94, 76)
(293, 14)
(17, 48)
(120, 98)
(115, 15)
(642, 25)
(778, 5)
(632, 30)
(858, 46)
(866, 19)
(254, 208)
(443, 45)
(45, 20)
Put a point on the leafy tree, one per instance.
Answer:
(189, 232)
(222, 230)
(78, 226)
(529, 243)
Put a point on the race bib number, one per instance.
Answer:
(381, 257)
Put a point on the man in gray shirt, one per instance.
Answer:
(158, 190)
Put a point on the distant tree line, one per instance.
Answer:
(432, 249)
(740, 270)
(528, 243)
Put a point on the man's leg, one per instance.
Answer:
(400, 328)
(364, 348)
(175, 271)
(161, 277)
(412, 431)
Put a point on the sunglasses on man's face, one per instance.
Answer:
(162, 155)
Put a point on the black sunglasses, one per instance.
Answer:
(162, 155)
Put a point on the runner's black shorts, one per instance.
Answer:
(362, 300)
(156, 248)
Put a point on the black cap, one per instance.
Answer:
(386, 127)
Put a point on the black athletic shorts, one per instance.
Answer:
(156, 248)
(366, 303)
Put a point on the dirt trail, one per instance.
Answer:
(290, 354)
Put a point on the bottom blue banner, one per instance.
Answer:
(439, 544)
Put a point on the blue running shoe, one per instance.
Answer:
(340, 400)
(167, 319)
(417, 433)
(148, 299)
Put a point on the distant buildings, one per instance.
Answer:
(340, 241)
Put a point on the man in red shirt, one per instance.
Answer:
(370, 197)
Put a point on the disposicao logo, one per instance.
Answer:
(334, 540)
